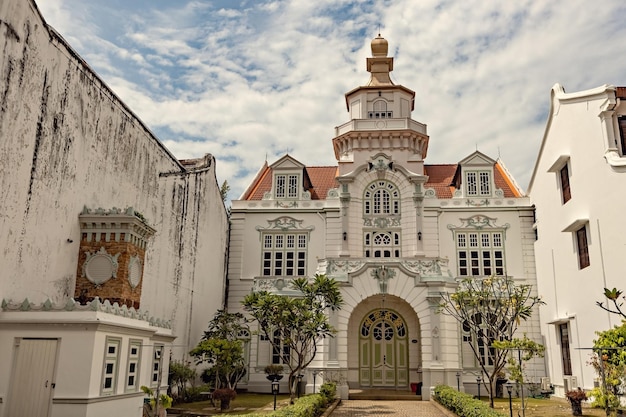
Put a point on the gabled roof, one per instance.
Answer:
(440, 178)
(318, 180)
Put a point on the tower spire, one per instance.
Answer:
(380, 65)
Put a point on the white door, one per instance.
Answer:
(32, 380)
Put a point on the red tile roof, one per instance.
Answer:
(620, 92)
(440, 178)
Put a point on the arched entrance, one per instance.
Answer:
(383, 349)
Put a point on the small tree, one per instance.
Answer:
(609, 361)
(522, 351)
(294, 325)
(490, 309)
(179, 375)
(222, 349)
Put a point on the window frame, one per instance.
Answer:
(582, 247)
(564, 182)
(481, 341)
(278, 258)
(477, 251)
(287, 186)
(157, 361)
(370, 247)
(110, 368)
(566, 356)
(621, 127)
(134, 359)
(478, 183)
(381, 198)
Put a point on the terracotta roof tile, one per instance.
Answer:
(440, 178)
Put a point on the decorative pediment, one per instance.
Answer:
(478, 222)
(287, 163)
(477, 159)
(380, 163)
(284, 223)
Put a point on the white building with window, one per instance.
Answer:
(577, 185)
(394, 231)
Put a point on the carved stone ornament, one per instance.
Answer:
(381, 222)
(379, 163)
(284, 223)
(134, 271)
(383, 274)
(479, 222)
(99, 267)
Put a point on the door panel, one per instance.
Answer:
(32, 382)
(383, 350)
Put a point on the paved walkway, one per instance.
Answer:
(396, 408)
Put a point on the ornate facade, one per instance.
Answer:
(394, 231)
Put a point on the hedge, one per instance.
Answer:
(463, 405)
(308, 406)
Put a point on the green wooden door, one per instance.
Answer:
(383, 350)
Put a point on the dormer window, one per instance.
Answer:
(287, 186)
(380, 111)
(478, 183)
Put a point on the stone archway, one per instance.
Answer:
(384, 343)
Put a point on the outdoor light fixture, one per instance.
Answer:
(299, 376)
(275, 388)
(419, 235)
(509, 389)
(458, 381)
(345, 236)
(478, 381)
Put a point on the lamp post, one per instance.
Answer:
(300, 376)
(509, 389)
(314, 376)
(478, 381)
(458, 381)
(275, 388)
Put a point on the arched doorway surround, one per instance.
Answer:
(384, 343)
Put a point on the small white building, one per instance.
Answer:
(394, 231)
(577, 186)
(113, 251)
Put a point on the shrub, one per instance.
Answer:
(328, 390)
(308, 406)
(464, 405)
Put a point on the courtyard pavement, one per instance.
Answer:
(396, 408)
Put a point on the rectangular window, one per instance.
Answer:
(582, 247)
(111, 360)
(280, 186)
(565, 353)
(566, 193)
(292, 191)
(132, 372)
(480, 254)
(621, 121)
(156, 364)
(472, 188)
(284, 255)
(485, 188)
(277, 348)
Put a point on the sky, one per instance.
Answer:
(250, 80)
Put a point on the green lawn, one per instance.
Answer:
(243, 404)
(544, 407)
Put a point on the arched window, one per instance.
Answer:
(381, 197)
(380, 110)
(382, 244)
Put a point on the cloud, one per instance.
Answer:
(245, 80)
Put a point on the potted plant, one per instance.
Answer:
(164, 402)
(274, 372)
(575, 398)
(225, 396)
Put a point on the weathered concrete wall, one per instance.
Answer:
(66, 141)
